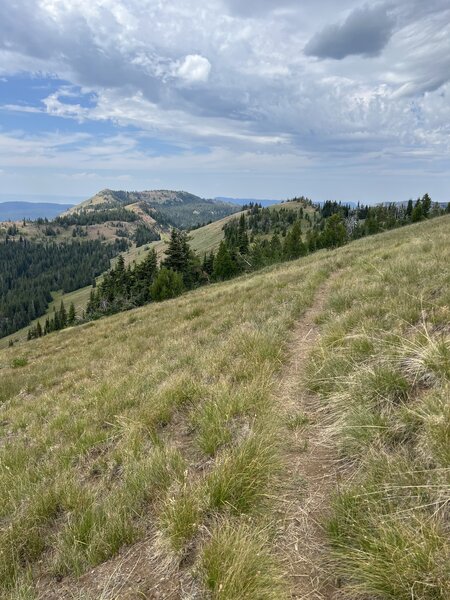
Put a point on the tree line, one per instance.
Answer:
(31, 271)
(259, 237)
(96, 217)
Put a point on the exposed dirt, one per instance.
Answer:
(312, 468)
(143, 571)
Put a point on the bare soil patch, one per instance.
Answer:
(311, 468)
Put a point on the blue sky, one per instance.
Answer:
(267, 98)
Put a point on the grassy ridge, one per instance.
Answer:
(203, 240)
(162, 420)
(383, 367)
(94, 426)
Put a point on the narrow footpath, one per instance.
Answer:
(311, 468)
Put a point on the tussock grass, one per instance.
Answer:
(163, 419)
(180, 517)
(240, 481)
(382, 366)
(158, 418)
(236, 563)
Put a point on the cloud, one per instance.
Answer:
(252, 8)
(232, 78)
(194, 68)
(366, 31)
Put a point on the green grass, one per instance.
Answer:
(107, 427)
(237, 563)
(163, 419)
(383, 369)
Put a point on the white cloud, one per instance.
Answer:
(194, 68)
(234, 77)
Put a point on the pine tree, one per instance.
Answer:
(426, 205)
(409, 208)
(56, 323)
(224, 266)
(62, 316)
(167, 284)
(177, 255)
(417, 214)
(38, 329)
(257, 255)
(150, 266)
(293, 245)
(180, 258)
(334, 233)
(276, 248)
(242, 235)
(72, 314)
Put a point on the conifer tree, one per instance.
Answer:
(71, 315)
(276, 248)
(208, 263)
(242, 235)
(334, 233)
(167, 284)
(62, 316)
(426, 205)
(293, 245)
(409, 208)
(224, 266)
(417, 214)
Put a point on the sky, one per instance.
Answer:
(345, 100)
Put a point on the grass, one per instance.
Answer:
(237, 563)
(383, 368)
(163, 420)
(160, 417)
(203, 240)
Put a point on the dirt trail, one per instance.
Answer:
(311, 475)
(312, 470)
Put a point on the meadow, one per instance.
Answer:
(160, 430)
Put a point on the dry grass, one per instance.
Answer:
(163, 419)
(383, 368)
(157, 418)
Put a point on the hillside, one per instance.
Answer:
(202, 240)
(178, 209)
(260, 438)
(125, 222)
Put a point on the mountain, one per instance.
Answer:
(131, 218)
(167, 207)
(182, 448)
(16, 211)
(243, 201)
(202, 240)
(87, 237)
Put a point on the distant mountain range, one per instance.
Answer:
(15, 211)
(165, 207)
(242, 201)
